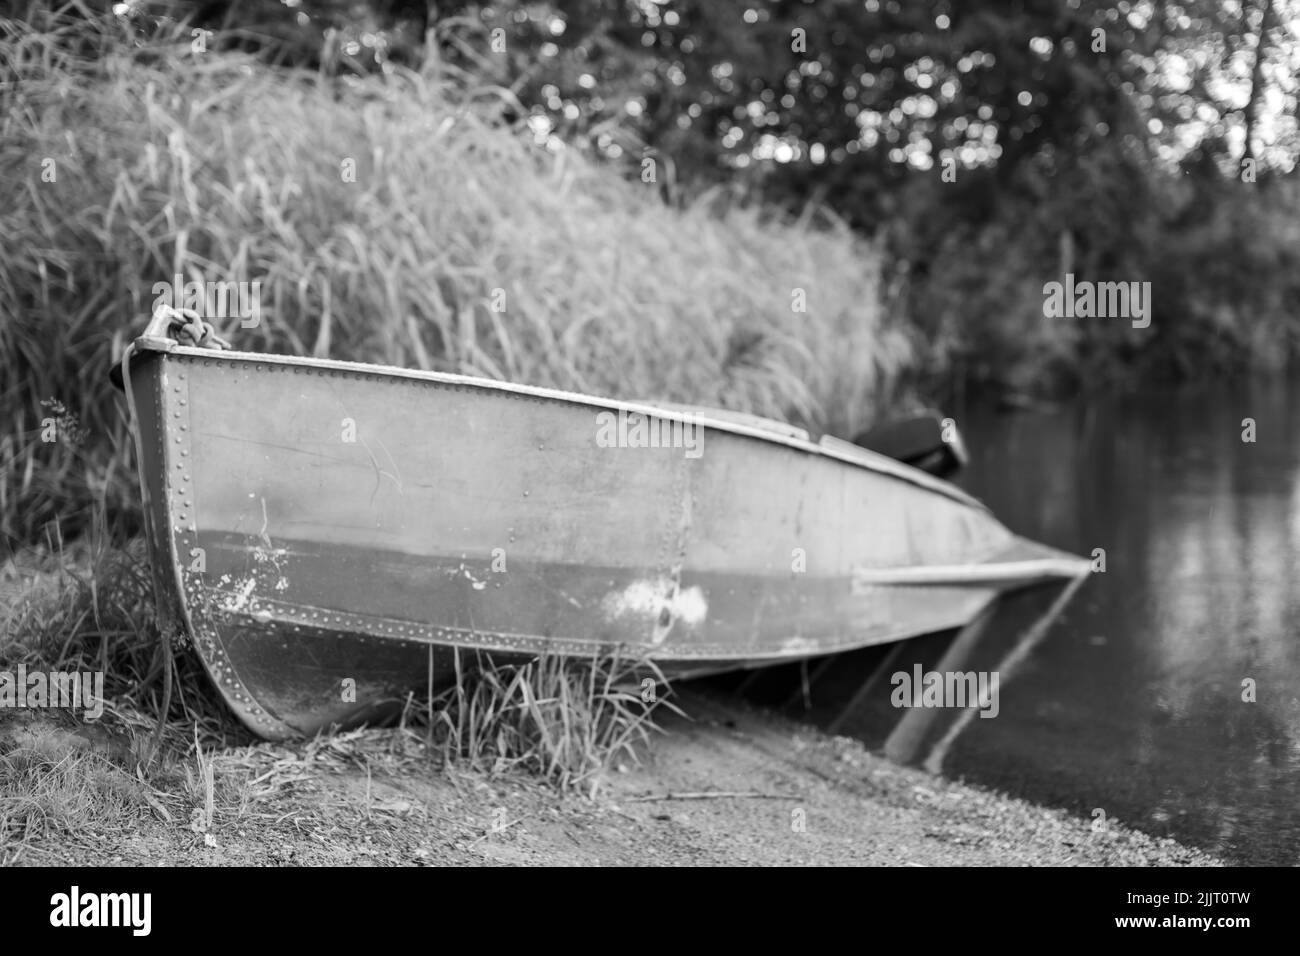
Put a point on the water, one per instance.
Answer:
(1134, 704)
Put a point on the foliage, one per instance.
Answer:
(462, 246)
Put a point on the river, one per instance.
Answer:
(1138, 703)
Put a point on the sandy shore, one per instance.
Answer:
(801, 798)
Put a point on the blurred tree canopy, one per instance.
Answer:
(861, 91)
(992, 144)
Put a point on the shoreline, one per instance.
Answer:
(729, 786)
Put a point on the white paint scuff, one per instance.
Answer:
(648, 599)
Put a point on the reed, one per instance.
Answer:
(464, 245)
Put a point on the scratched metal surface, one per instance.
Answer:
(314, 523)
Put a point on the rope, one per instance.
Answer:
(188, 323)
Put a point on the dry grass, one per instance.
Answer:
(218, 167)
(47, 790)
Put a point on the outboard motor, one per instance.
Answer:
(927, 441)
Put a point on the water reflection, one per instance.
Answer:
(1135, 704)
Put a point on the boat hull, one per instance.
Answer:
(330, 535)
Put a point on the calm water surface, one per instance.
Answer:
(1134, 703)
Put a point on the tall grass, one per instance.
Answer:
(561, 720)
(463, 245)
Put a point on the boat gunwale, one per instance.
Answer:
(840, 450)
